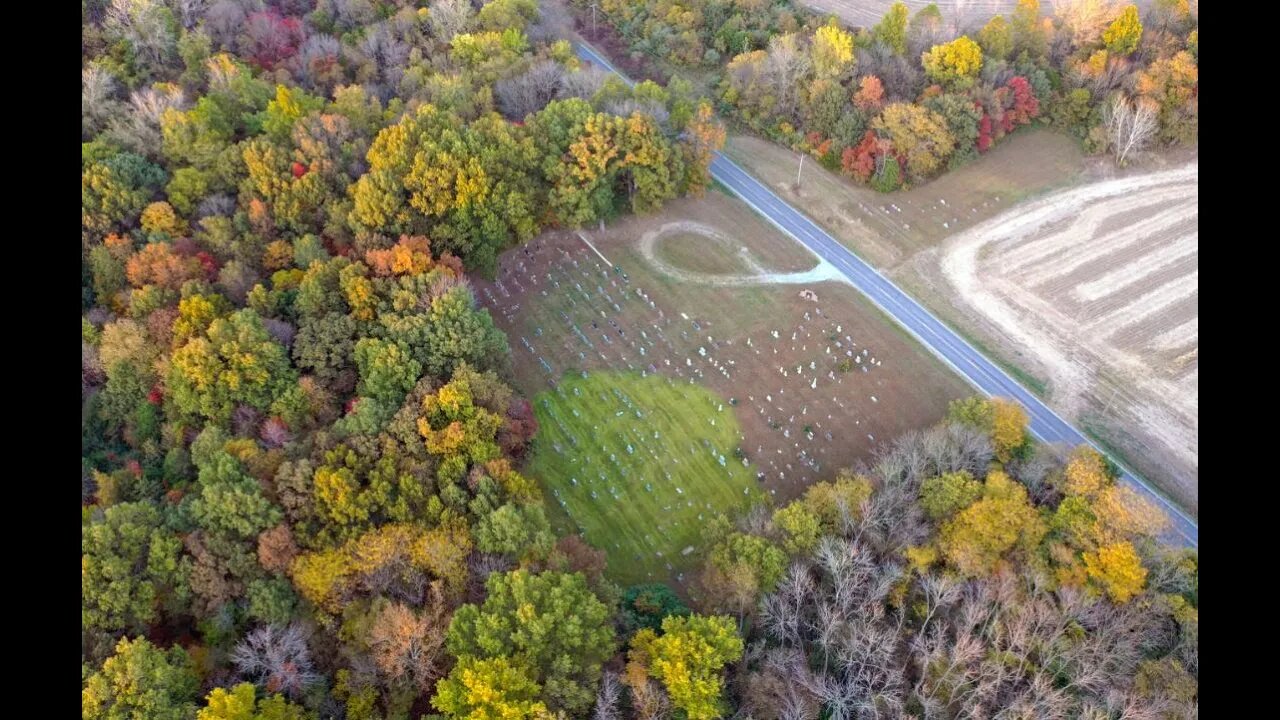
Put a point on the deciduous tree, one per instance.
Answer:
(996, 38)
(142, 681)
(980, 535)
(241, 703)
(490, 689)
(551, 621)
(1117, 570)
(832, 51)
(1122, 35)
(892, 29)
(131, 567)
(919, 135)
(1008, 427)
(688, 659)
(955, 64)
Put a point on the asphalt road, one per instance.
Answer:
(972, 365)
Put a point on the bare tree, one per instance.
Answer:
(97, 99)
(521, 95)
(648, 700)
(926, 30)
(316, 60)
(1130, 125)
(782, 610)
(352, 14)
(224, 19)
(899, 77)
(607, 698)
(138, 128)
(584, 83)
(143, 23)
(276, 657)
(388, 52)
(448, 18)
(189, 12)
(786, 63)
(1114, 74)
(1085, 19)
(218, 204)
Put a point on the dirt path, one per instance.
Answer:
(760, 276)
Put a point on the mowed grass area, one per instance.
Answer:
(638, 464)
(698, 253)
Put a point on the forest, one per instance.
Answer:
(302, 459)
(895, 104)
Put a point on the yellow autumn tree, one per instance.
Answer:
(1085, 474)
(393, 552)
(1116, 570)
(996, 38)
(688, 659)
(1122, 513)
(919, 134)
(1122, 35)
(981, 535)
(1096, 511)
(1009, 427)
(456, 430)
(705, 135)
(829, 501)
(832, 51)
(954, 64)
(800, 526)
(159, 217)
(490, 689)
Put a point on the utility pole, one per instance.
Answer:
(594, 35)
(798, 171)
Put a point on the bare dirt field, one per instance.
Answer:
(815, 381)
(1100, 283)
(1123, 295)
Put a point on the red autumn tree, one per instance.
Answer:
(269, 38)
(1025, 106)
(861, 160)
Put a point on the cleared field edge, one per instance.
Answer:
(887, 254)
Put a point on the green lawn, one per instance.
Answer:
(637, 465)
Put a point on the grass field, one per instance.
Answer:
(700, 254)
(637, 464)
(887, 230)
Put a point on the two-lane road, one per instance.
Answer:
(972, 365)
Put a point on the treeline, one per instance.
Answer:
(915, 95)
(398, 134)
